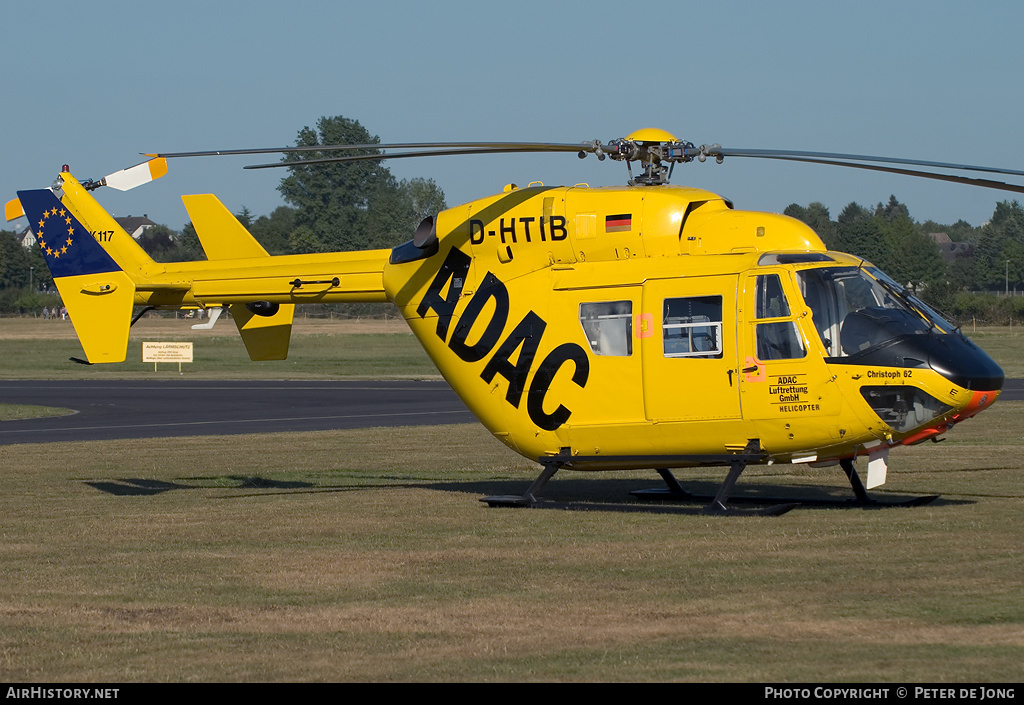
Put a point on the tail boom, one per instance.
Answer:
(101, 272)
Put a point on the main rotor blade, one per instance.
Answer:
(805, 156)
(510, 148)
(983, 183)
(435, 149)
(504, 146)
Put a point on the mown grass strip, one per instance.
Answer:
(12, 412)
(366, 555)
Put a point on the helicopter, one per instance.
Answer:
(645, 326)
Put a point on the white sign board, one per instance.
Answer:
(167, 352)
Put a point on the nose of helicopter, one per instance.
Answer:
(968, 367)
(975, 382)
(965, 364)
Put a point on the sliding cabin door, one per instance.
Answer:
(689, 349)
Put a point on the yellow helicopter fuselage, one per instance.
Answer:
(637, 321)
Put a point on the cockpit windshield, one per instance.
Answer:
(858, 308)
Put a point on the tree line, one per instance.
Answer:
(992, 254)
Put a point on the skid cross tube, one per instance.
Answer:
(737, 462)
(858, 487)
(674, 491)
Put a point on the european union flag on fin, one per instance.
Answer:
(68, 248)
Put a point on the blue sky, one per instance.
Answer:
(94, 84)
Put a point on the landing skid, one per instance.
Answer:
(674, 492)
(737, 462)
(528, 498)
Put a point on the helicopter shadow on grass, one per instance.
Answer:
(140, 487)
(572, 494)
(615, 495)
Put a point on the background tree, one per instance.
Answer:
(160, 243)
(350, 205)
(916, 258)
(273, 231)
(14, 262)
(960, 231)
(859, 233)
(20, 267)
(911, 257)
(1000, 251)
(428, 199)
(892, 211)
(853, 213)
(189, 247)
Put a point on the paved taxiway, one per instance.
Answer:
(140, 409)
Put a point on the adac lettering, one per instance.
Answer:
(525, 337)
(512, 231)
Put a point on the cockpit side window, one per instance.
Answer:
(779, 340)
(771, 301)
(820, 296)
(854, 311)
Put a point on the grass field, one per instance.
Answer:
(366, 556)
(37, 349)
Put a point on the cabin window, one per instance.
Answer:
(692, 327)
(609, 327)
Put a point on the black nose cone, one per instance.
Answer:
(962, 362)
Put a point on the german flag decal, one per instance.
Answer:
(618, 223)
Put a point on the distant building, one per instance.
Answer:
(135, 225)
(952, 250)
(26, 237)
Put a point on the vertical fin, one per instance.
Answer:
(220, 233)
(223, 237)
(98, 294)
